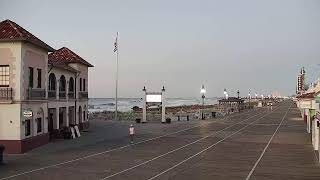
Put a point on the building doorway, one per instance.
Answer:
(80, 114)
(51, 119)
(72, 120)
(63, 117)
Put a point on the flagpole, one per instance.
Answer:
(116, 113)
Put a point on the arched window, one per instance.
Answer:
(62, 83)
(52, 82)
(71, 84)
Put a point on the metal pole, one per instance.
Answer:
(202, 115)
(116, 112)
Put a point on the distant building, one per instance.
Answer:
(275, 94)
(232, 104)
(301, 82)
(39, 93)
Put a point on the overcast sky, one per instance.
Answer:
(257, 45)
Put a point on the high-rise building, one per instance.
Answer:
(301, 81)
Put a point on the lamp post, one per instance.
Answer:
(144, 108)
(238, 92)
(202, 92)
(249, 100)
(163, 107)
(225, 93)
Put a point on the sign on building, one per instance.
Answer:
(305, 104)
(27, 113)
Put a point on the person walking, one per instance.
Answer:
(131, 133)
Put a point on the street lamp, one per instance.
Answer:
(249, 99)
(202, 91)
(225, 93)
(238, 92)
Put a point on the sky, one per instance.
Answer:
(248, 45)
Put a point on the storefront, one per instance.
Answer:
(306, 104)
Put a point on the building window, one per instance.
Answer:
(52, 82)
(80, 84)
(84, 115)
(39, 78)
(84, 85)
(27, 126)
(4, 75)
(71, 85)
(62, 84)
(30, 77)
(39, 125)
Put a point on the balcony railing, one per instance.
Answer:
(62, 95)
(83, 95)
(52, 94)
(71, 95)
(6, 94)
(36, 94)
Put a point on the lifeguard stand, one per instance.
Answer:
(153, 98)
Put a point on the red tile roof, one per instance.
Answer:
(10, 31)
(63, 66)
(66, 56)
(307, 96)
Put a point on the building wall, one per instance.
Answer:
(20, 56)
(83, 103)
(36, 58)
(10, 54)
(10, 123)
(39, 111)
(83, 74)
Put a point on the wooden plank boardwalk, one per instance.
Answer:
(259, 144)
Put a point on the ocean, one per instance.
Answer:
(126, 104)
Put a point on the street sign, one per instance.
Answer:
(27, 113)
(305, 104)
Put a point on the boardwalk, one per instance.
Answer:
(259, 144)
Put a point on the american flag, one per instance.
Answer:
(116, 44)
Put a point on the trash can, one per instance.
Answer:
(168, 120)
(138, 120)
(1, 153)
(213, 114)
